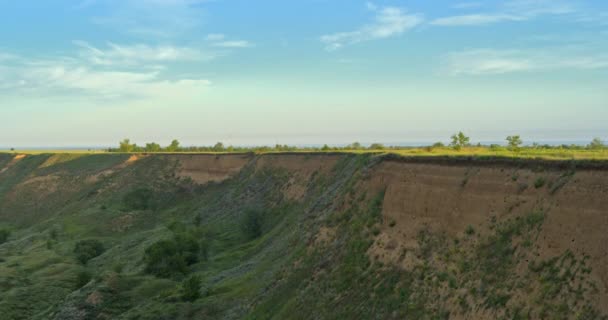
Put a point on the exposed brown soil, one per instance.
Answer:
(446, 199)
(301, 167)
(209, 168)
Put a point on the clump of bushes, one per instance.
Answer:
(138, 199)
(82, 278)
(86, 250)
(172, 257)
(191, 288)
(4, 235)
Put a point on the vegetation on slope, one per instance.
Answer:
(141, 243)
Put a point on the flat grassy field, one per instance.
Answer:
(524, 153)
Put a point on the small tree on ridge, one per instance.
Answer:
(459, 141)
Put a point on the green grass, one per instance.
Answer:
(279, 273)
(554, 153)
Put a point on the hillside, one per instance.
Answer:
(301, 236)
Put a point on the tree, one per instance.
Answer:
(459, 141)
(596, 144)
(376, 146)
(218, 147)
(167, 258)
(191, 288)
(152, 147)
(86, 250)
(325, 148)
(514, 142)
(174, 146)
(164, 259)
(126, 146)
(354, 146)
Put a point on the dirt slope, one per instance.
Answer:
(446, 199)
(338, 236)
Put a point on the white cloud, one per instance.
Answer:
(76, 77)
(491, 61)
(116, 54)
(389, 22)
(532, 8)
(475, 19)
(221, 41)
(513, 10)
(157, 18)
(233, 44)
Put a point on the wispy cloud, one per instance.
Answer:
(116, 54)
(233, 44)
(220, 40)
(158, 18)
(492, 61)
(388, 22)
(76, 76)
(475, 19)
(533, 8)
(514, 10)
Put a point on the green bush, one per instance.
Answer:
(191, 288)
(470, 230)
(138, 199)
(168, 258)
(539, 183)
(251, 226)
(82, 278)
(4, 235)
(86, 250)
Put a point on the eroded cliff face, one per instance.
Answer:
(344, 235)
(453, 200)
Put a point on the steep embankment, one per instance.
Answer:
(305, 236)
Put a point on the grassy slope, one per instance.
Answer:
(279, 275)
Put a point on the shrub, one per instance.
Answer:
(191, 288)
(164, 259)
(4, 235)
(596, 144)
(82, 278)
(470, 230)
(138, 199)
(377, 146)
(251, 226)
(86, 250)
(539, 183)
(167, 258)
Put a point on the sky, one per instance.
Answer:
(92, 72)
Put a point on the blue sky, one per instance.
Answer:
(88, 73)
